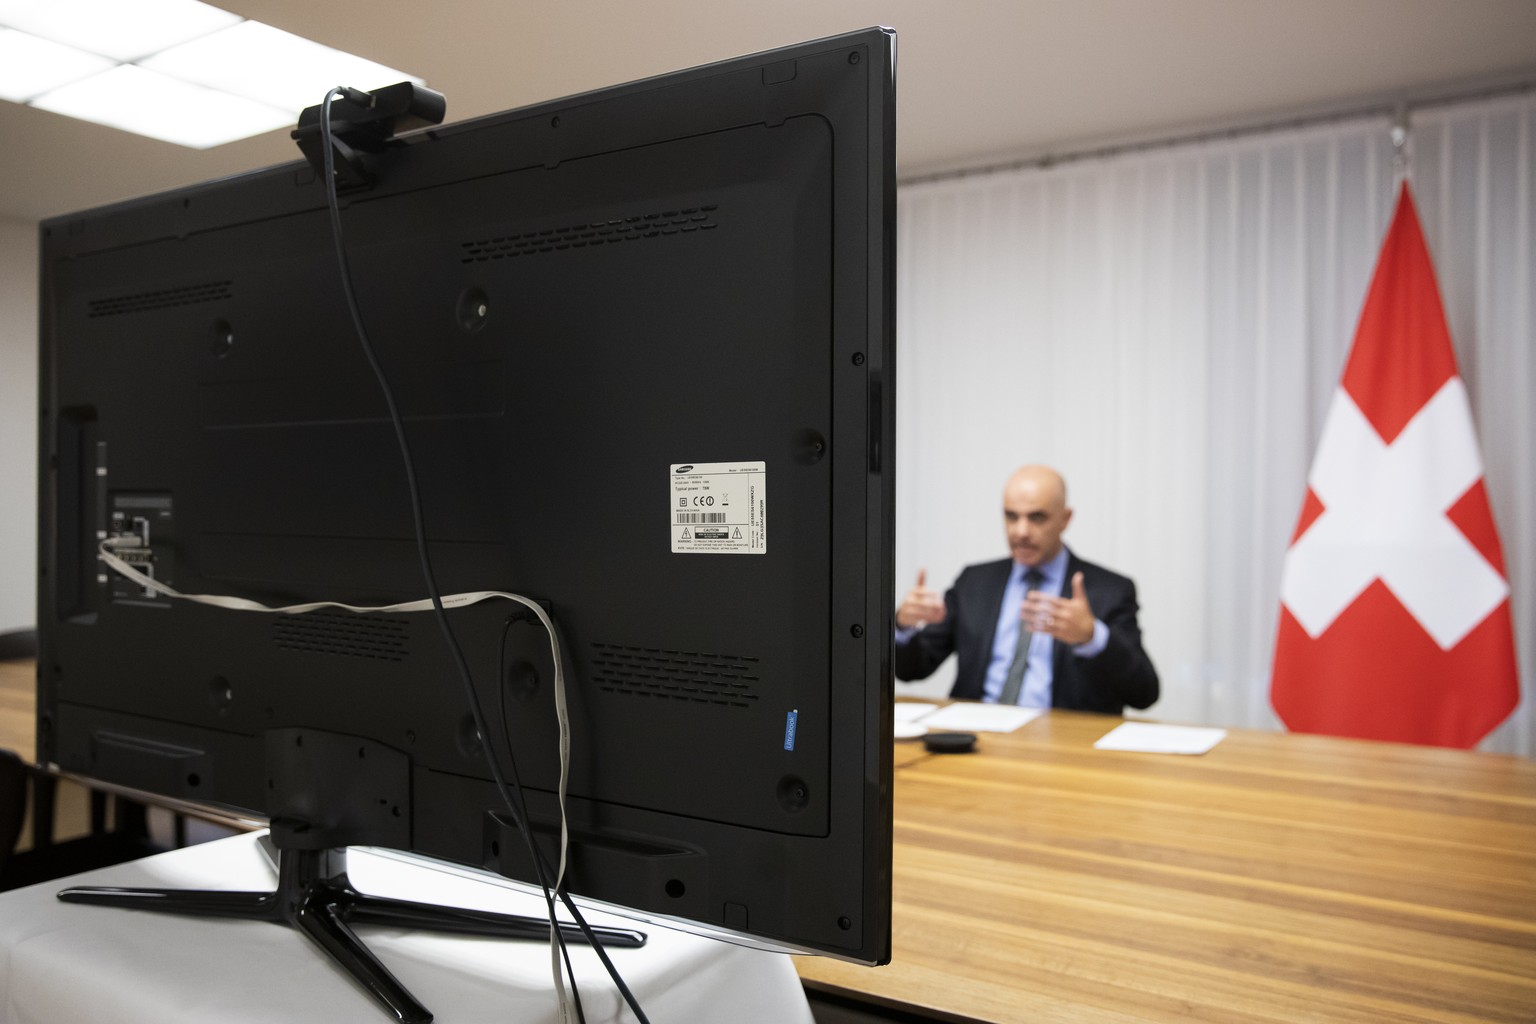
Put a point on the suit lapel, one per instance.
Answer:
(995, 583)
(1063, 676)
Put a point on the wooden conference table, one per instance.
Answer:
(1278, 878)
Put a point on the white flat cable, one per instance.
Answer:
(449, 601)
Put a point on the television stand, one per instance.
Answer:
(314, 895)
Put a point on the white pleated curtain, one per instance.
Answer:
(1167, 327)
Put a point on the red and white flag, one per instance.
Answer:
(1394, 618)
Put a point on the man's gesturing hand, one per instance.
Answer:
(1068, 619)
(921, 606)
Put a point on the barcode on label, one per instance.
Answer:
(701, 517)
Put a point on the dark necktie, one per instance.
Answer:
(1014, 680)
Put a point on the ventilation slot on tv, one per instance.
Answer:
(724, 679)
(351, 636)
(166, 298)
(685, 221)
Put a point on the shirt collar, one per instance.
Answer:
(1054, 571)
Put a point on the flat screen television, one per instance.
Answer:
(627, 332)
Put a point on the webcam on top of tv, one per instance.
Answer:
(364, 123)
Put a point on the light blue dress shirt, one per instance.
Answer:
(1036, 691)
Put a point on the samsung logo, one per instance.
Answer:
(683, 469)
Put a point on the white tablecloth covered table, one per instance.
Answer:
(71, 964)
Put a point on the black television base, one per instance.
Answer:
(314, 895)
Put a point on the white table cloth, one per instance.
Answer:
(71, 964)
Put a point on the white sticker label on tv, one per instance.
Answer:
(719, 508)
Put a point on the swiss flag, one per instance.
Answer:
(1394, 618)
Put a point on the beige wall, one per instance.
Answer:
(18, 423)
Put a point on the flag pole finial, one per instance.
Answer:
(1402, 139)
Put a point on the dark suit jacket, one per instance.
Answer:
(1117, 676)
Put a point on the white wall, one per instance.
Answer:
(18, 424)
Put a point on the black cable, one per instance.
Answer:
(428, 576)
(414, 493)
(558, 642)
(506, 735)
(439, 613)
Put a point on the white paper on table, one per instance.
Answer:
(912, 710)
(966, 717)
(1155, 738)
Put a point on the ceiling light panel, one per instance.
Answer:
(270, 66)
(124, 30)
(30, 66)
(156, 66)
(165, 108)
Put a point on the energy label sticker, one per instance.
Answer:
(720, 508)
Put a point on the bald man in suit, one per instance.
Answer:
(1082, 644)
